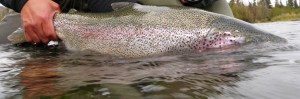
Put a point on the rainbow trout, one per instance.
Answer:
(134, 30)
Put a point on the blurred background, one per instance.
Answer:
(265, 10)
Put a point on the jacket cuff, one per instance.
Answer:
(19, 5)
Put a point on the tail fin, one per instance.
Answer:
(17, 36)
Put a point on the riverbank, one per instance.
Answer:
(287, 17)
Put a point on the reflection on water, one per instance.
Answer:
(39, 72)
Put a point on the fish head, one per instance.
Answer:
(242, 32)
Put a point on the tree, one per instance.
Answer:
(296, 4)
(277, 5)
(268, 3)
(239, 2)
(264, 10)
(231, 2)
(281, 5)
(265, 3)
(254, 3)
(290, 3)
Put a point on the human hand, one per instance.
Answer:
(37, 20)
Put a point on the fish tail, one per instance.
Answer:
(17, 36)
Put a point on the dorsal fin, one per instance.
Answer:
(121, 5)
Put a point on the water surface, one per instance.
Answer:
(51, 72)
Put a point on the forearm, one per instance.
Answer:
(16, 5)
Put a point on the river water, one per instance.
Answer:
(29, 72)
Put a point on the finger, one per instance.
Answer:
(26, 27)
(40, 33)
(49, 29)
(28, 33)
(55, 6)
(33, 35)
(27, 38)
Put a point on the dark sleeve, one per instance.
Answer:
(80, 5)
(16, 5)
(66, 5)
(101, 5)
(88, 5)
(202, 4)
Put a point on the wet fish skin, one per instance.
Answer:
(134, 30)
(3, 12)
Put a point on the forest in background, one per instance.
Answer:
(263, 11)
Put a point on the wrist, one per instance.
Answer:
(20, 5)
